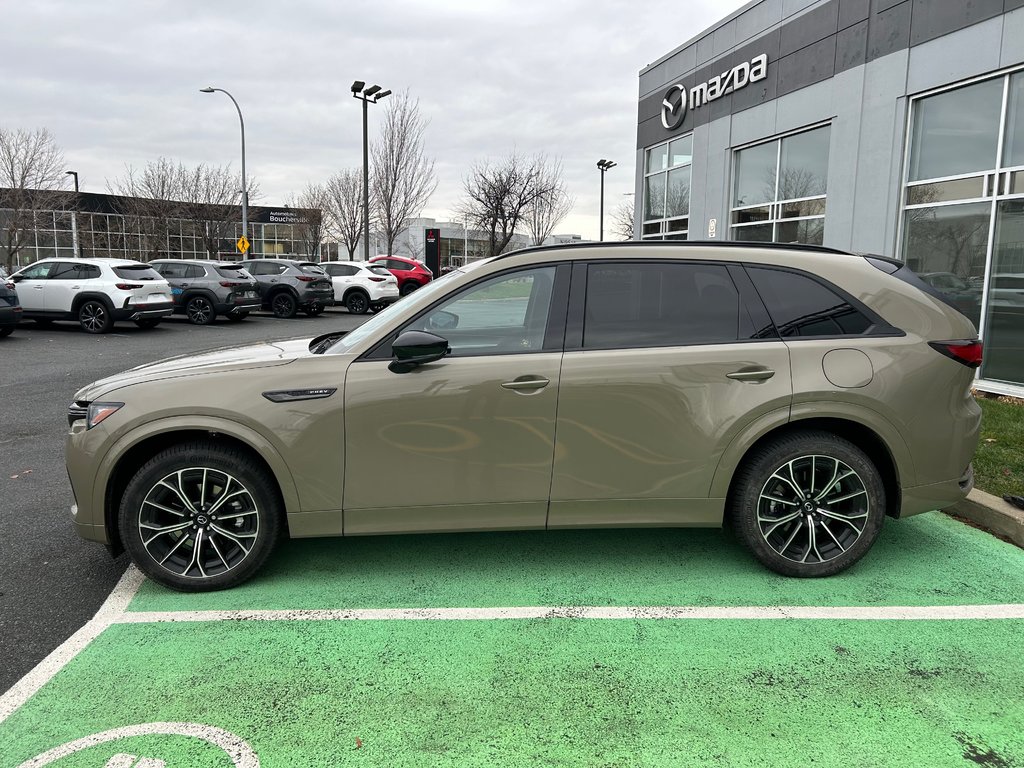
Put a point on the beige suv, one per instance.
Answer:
(800, 394)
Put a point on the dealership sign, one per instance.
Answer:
(677, 99)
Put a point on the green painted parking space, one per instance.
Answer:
(926, 560)
(545, 692)
(550, 690)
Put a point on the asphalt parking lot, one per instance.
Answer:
(603, 648)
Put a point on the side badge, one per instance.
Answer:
(291, 395)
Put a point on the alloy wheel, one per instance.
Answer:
(813, 509)
(199, 522)
(199, 310)
(93, 317)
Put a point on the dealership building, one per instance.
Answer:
(893, 127)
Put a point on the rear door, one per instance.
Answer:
(664, 366)
(63, 283)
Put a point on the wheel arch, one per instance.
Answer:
(130, 453)
(81, 298)
(355, 289)
(861, 435)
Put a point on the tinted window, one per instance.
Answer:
(801, 306)
(657, 305)
(36, 271)
(194, 270)
(88, 272)
(379, 271)
(137, 272)
(64, 270)
(310, 269)
(235, 271)
(171, 270)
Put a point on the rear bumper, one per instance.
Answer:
(927, 498)
(321, 298)
(145, 311)
(239, 305)
(9, 316)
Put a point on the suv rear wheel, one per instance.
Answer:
(200, 311)
(808, 504)
(199, 517)
(284, 305)
(408, 288)
(357, 303)
(94, 317)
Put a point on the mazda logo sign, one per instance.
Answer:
(673, 107)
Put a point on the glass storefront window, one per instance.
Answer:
(1004, 322)
(667, 190)
(782, 183)
(956, 132)
(1013, 143)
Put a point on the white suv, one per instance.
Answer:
(95, 292)
(361, 286)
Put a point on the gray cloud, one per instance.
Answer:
(117, 83)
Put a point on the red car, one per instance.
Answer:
(411, 274)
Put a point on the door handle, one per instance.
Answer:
(526, 383)
(751, 374)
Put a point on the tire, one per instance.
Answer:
(313, 310)
(407, 288)
(94, 317)
(806, 483)
(237, 317)
(147, 323)
(284, 305)
(5, 332)
(204, 548)
(357, 303)
(200, 311)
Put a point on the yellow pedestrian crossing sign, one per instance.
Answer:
(243, 244)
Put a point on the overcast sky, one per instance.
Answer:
(117, 83)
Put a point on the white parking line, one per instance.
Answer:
(114, 611)
(852, 613)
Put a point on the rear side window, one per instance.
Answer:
(235, 271)
(137, 272)
(659, 305)
(801, 306)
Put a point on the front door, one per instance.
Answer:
(31, 286)
(465, 443)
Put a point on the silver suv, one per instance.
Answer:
(287, 285)
(204, 289)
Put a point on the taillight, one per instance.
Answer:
(9, 286)
(229, 284)
(378, 279)
(128, 286)
(305, 279)
(966, 351)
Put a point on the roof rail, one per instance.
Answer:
(683, 243)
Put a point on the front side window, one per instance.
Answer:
(507, 314)
(801, 306)
(658, 305)
(667, 190)
(37, 271)
(779, 189)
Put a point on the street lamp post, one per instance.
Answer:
(74, 217)
(245, 182)
(603, 165)
(370, 95)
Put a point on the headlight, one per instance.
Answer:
(100, 411)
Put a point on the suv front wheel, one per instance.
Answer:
(808, 504)
(199, 516)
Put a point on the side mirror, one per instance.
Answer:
(414, 348)
(443, 321)
(16, 278)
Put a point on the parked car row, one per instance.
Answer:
(98, 292)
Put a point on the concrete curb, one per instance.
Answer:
(993, 513)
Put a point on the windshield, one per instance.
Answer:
(426, 294)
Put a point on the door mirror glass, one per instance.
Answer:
(415, 348)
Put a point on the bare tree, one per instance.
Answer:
(343, 208)
(310, 228)
(499, 195)
(622, 220)
(402, 177)
(553, 203)
(149, 201)
(209, 205)
(32, 176)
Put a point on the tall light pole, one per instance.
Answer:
(74, 217)
(603, 165)
(245, 183)
(370, 95)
